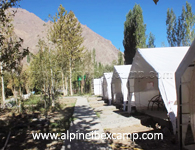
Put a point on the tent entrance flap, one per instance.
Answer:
(192, 102)
(187, 111)
(119, 85)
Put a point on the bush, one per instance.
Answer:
(33, 100)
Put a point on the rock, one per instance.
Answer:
(52, 120)
(34, 119)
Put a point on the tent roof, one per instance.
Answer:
(97, 81)
(123, 70)
(187, 60)
(164, 59)
(108, 76)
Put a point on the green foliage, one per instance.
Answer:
(29, 57)
(10, 45)
(151, 41)
(180, 31)
(66, 34)
(41, 67)
(34, 99)
(97, 114)
(120, 59)
(99, 68)
(189, 23)
(134, 33)
(171, 24)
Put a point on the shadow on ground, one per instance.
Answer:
(21, 127)
(156, 140)
(86, 122)
(169, 141)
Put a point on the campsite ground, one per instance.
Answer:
(91, 113)
(117, 121)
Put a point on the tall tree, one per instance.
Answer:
(180, 32)
(11, 53)
(58, 35)
(171, 30)
(86, 70)
(120, 59)
(151, 41)
(66, 34)
(189, 22)
(41, 74)
(134, 33)
(75, 39)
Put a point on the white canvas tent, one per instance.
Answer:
(97, 86)
(185, 84)
(119, 84)
(153, 72)
(106, 86)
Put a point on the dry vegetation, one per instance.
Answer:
(21, 126)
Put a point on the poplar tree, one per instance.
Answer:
(134, 33)
(41, 74)
(180, 32)
(66, 34)
(120, 59)
(151, 41)
(75, 39)
(189, 22)
(171, 28)
(58, 35)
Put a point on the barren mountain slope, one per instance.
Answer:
(30, 28)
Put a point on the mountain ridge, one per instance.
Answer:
(30, 28)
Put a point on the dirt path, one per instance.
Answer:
(92, 114)
(86, 121)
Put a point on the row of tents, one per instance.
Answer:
(168, 72)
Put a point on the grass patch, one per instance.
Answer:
(33, 100)
(97, 114)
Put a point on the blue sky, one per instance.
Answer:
(107, 17)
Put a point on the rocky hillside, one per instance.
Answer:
(30, 28)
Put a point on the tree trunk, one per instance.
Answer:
(2, 82)
(52, 89)
(20, 91)
(82, 85)
(66, 85)
(15, 92)
(63, 84)
(27, 88)
(48, 90)
(71, 93)
(3, 90)
(44, 87)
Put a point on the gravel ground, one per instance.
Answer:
(110, 116)
(116, 121)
